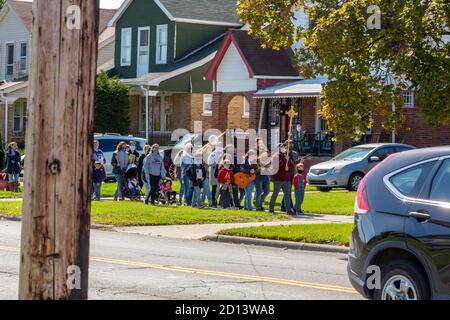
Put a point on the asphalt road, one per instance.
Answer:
(129, 266)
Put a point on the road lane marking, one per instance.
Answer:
(236, 276)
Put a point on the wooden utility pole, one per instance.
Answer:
(56, 207)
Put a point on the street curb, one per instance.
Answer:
(19, 219)
(278, 244)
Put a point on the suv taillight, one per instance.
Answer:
(362, 202)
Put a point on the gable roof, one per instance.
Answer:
(261, 62)
(23, 10)
(212, 12)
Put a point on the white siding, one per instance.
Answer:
(232, 74)
(11, 30)
(106, 53)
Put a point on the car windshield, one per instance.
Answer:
(353, 154)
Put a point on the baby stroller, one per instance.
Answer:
(130, 187)
(166, 197)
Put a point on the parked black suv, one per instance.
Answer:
(402, 228)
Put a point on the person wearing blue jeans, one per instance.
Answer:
(206, 193)
(249, 167)
(187, 160)
(262, 185)
(299, 189)
(119, 162)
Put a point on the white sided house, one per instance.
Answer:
(15, 38)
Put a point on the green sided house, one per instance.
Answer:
(163, 50)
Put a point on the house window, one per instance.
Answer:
(161, 44)
(20, 116)
(142, 114)
(408, 99)
(125, 56)
(207, 104)
(246, 113)
(10, 59)
(23, 58)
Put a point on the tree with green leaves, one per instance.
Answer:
(370, 50)
(2, 3)
(112, 105)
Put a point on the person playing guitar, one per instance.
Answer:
(248, 175)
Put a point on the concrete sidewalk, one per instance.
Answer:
(196, 232)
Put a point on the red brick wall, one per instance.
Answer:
(227, 111)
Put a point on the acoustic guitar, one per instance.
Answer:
(242, 180)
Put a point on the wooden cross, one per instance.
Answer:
(291, 114)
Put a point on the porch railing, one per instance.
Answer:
(161, 138)
(317, 144)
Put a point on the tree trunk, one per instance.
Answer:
(57, 192)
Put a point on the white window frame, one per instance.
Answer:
(159, 45)
(246, 108)
(411, 95)
(21, 57)
(207, 98)
(21, 116)
(7, 45)
(124, 46)
(138, 47)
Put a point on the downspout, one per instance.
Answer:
(147, 124)
(2, 95)
(261, 116)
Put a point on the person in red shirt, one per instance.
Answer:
(299, 188)
(226, 180)
(282, 180)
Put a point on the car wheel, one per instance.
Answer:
(324, 189)
(402, 280)
(354, 181)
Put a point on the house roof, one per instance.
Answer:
(212, 12)
(260, 62)
(23, 10)
(296, 89)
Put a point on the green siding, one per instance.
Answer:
(182, 83)
(192, 36)
(143, 13)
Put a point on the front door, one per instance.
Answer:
(143, 50)
(429, 224)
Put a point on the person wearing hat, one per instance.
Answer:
(299, 188)
(98, 176)
(282, 180)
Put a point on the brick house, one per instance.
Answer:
(15, 35)
(163, 50)
(269, 86)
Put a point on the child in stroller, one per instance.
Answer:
(167, 195)
(132, 189)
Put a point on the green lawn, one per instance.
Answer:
(334, 234)
(136, 214)
(10, 195)
(108, 190)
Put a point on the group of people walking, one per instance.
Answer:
(215, 174)
(211, 176)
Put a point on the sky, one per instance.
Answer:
(107, 4)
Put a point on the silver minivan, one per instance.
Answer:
(347, 169)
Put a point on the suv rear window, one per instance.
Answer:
(108, 145)
(410, 181)
(440, 189)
